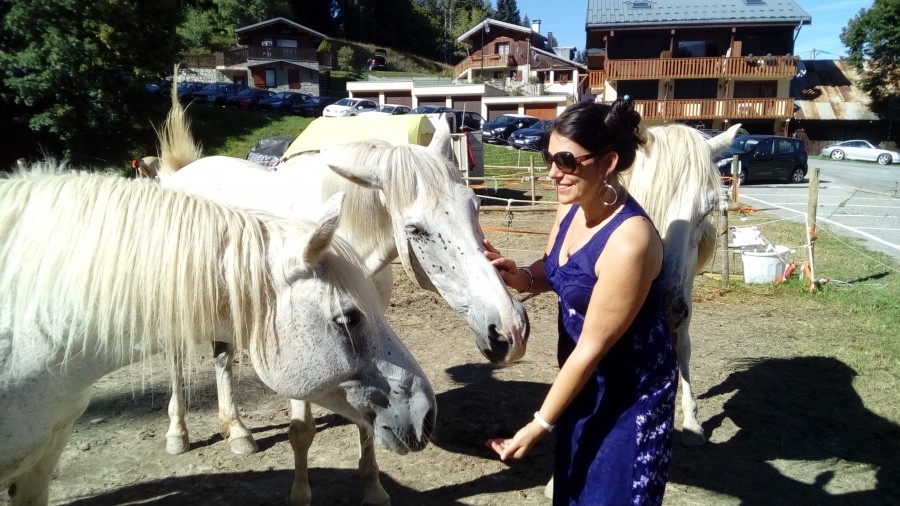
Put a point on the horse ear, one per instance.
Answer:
(441, 142)
(322, 235)
(723, 140)
(363, 175)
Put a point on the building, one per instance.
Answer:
(708, 63)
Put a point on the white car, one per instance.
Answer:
(348, 107)
(387, 110)
(861, 150)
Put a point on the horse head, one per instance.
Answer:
(330, 342)
(437, 236)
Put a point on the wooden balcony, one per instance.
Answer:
(715, 108)
(769, 67)
(239, 56)
(491, 61)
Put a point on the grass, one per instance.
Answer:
(233, 132)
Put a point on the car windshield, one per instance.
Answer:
(347, 102)
(503, 120)
(541, 125)
(283, 94)
(743, 144)
(385, 108)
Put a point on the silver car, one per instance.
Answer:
(861, 150)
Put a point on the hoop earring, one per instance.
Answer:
(607, 187)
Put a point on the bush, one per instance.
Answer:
(345, 58)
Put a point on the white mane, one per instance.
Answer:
(128, 262)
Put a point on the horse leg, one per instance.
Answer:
(691, 431)
(32, 487)
(177, 440)
(373, 493)
(240, 439)
(301, 432)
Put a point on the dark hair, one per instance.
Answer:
(602, 128)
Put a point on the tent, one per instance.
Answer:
(397, 130)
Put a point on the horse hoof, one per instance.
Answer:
(243, 446)
(176, 445)
(689, 438)
(548, 489)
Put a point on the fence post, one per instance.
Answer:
(531, 176)
(723, 231)
(811, 232)
(735, 178)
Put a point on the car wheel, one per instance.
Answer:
(797, 175)
(837, 154)
(884, 159)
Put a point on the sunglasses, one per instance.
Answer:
(566, 161)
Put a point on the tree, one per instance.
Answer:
(508, 11)
(73, 71)
(873, 42)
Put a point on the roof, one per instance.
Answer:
(619, 14)
(502, 24)
(275, 21)
(825, 90)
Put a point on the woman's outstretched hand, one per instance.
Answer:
(519, 445)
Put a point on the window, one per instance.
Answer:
(286, 43)
(270, 78)
(503, 48)
(266, 43)
(784, 146)
(691, 49)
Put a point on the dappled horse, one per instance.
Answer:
(402, 201)
(675, 181)
(98, 271)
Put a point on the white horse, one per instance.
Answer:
(675, 181)
(97, 272)
(402, 201)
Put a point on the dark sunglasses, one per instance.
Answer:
(566, 161)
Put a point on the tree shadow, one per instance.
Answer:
(804, 415)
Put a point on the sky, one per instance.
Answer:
(819, 40)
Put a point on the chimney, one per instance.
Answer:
(536, 26)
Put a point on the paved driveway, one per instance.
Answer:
(843, 209)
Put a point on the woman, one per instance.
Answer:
(613, 401)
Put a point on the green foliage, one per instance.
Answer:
(508, 11)
(324, 47)
(345, 58)
(73, 72)
(873, 41)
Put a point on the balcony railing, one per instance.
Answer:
(491, 61)
(238, 56)
(715, 108)
(697, 68)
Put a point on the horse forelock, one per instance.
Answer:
(126, 262)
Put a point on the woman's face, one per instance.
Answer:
(584, 184)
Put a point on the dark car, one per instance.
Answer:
(499, 129)
(467, 120)
(765, 157)
(531, 137)
(430, 109)
(247, 99)
(281, 102)
(378, 61)
(215, 93)
(186, 90)
(312, 106)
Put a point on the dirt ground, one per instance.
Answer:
(788, 420)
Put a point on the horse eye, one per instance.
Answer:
(349, 319)
(416, 231)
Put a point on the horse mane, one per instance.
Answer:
(411, 172)
(690, 183)
(136, 266)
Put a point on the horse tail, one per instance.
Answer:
(177, 145)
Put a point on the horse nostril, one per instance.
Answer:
(498, 346)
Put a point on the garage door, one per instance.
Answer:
(440, 101)
(498, 109)
(472, 104)
(398, 98)
(543, 111)
(367, 96)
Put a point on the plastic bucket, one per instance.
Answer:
(765, 266)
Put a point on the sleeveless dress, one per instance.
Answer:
(614, 441)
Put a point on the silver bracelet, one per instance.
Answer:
(530, 278)
(543, 423)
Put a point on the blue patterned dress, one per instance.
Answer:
(614, 441)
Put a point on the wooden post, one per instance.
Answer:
(723, 231)
(735, 179)
(531, 176)
(811, 232)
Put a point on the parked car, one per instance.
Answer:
(349, 107)
(186, 90)
(467, 120)
(430, 109)
(378, 60)
(312, 106)
(763, 157)
(281, 102)
(498, 129)
(215, 93)
(247, 99)
(531, 137)
(387, 110)
(861, 150)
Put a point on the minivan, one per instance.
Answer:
(765, 157)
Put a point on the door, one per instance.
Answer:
(762, 161)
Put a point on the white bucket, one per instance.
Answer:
(765, 265)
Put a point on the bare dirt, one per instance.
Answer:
(791, 418)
